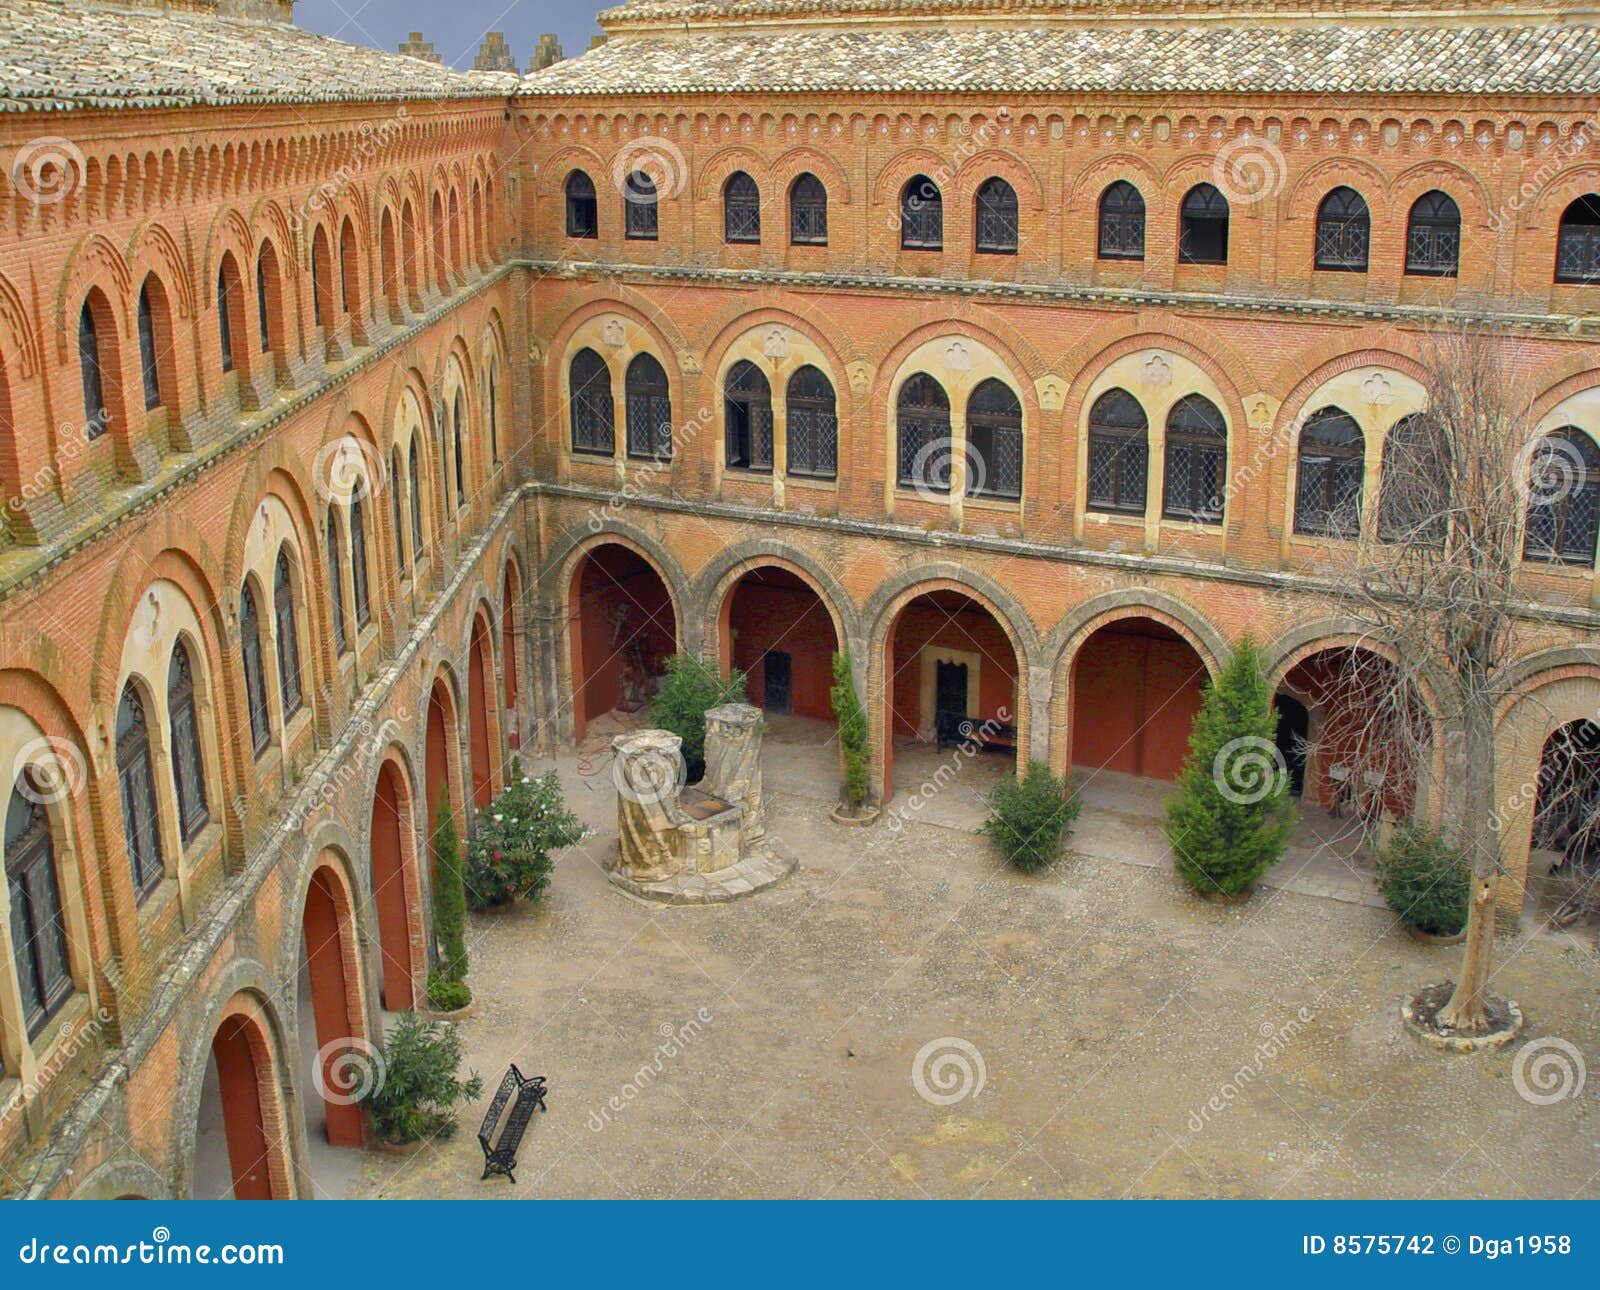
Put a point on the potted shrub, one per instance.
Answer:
(1029, 817)
(1426, 882)
(855, 751)
(688, 691)
(509, 855)
(447, 985)
(417, 1096)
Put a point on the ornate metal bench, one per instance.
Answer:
(500, 1140)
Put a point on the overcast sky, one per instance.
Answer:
(456, 27)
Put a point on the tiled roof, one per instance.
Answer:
(55, 56)
(1079, 57)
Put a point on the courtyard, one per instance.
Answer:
(906, 1018)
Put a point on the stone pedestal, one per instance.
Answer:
(648, 773)
(733, 762)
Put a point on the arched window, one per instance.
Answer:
(415, 481)
(188, 762)
(95, 415)
(921, 215)
(813, 425)
(747, 418)
(38, 930)
(136, 779)
(1203, 227)
(649, 409)
(1433, 236)
(996, 217)
(224, 319)
(1197, 461)
(922, 420)
(396, 483)
(1578, 241)
(1344, 229)
(349, 268)
(640, 215)
(741, 209)
(1119, 453)
(341, 637)
(1412, 505)
(808, 211)
(1327, 499)
(459, 421)
(358, 563)
(288, 638)
(321, 282)
(263, 313)
(255, 677)
(994, 441)
(149, 370)
(1121, 222)
(589, 397)
(1563, 499)
(494, 411)
(583, 212)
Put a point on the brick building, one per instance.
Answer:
(354, 409)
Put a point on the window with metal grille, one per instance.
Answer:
(994, 442)
(38, 929)
(1563, 499)
(1121, 222)
(95, 416)
(458, 423)
(358, 563)
(1196, 470)
(747, 418)
(341, 639)
(1329, 473)
(921, 215)
(1578, 241)
(263, 314)
(319, 282)
(415, 490)
(1203, 227)
(136, 779)
(1344, 229)
(1119, 454)
(255, 677)
(649, 409)
(589, 397)
(741, 209)
(640, 218)
(396, 479)
(188, 762)
(224, 320)
(148, 370)
(813, 425)
(996, 217)
(808, 211)
(583, 212)
(1412, 504)
(494, 411)
(923, 423)
(1433, 236)
(288, 638)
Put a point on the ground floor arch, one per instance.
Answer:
(775, 627)
(332, 1015)
(621, 628)
(393, 834)
(240, 1150)
(441, 755)
(1134, 688)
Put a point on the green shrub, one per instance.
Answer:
(420, 1090)
(509, 855)
(1426, 881)
(1029, 817)
(449, 897)
(1231, 817)
(853, 745)
(689, 690)
(447, 995)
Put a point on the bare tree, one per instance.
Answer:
(1434, 583)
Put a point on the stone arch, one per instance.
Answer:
(394, 877)
(123, 1180)
(723, 572)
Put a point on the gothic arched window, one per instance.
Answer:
(188, 762)
(341, 637)
(1563, 499)
(741, 209)
(921, 215)
(1197, 461)
(583, 212)
(649, 409)
(288, 638)
(589, 397)
(1344, 230)
(1119, 454)
(1433, 236)
(813, 425)
(808, 211)
(996, 217)
(38, 929)
(747, 414)
(136, 780)
(994, 441)
(1203, 227)
(1121, 234)
(358, 563)
(922, 422)
(255, 676)
(1330, 471)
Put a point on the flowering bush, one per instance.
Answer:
(509, 855)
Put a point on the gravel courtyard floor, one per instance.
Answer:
(905, 1018)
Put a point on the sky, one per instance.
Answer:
(456, 27)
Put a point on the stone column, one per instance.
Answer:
(733, 762)
(648, 771)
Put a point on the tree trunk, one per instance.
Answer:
(1466, 1014)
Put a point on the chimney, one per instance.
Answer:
(417, 47)
(547, 54)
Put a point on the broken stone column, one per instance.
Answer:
(648, 771)
(733, 762)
